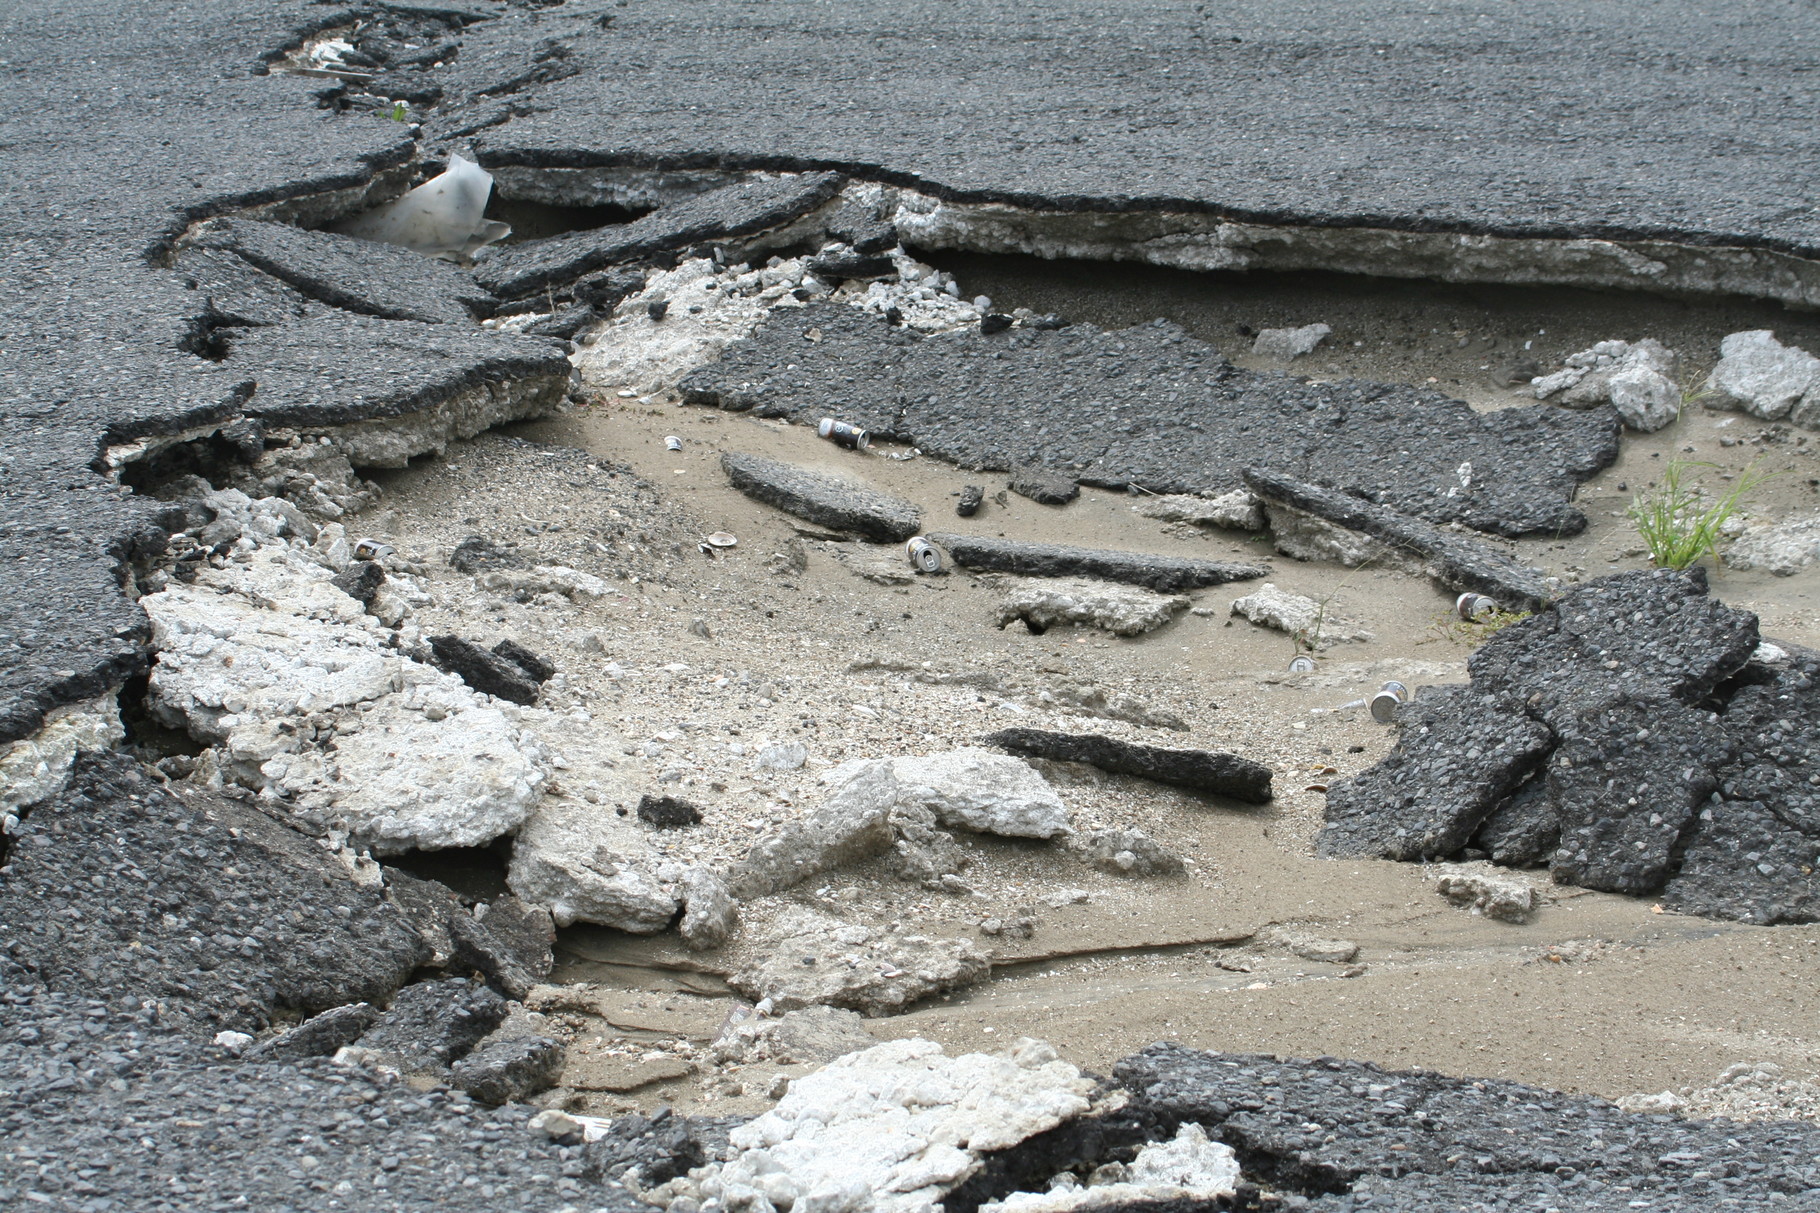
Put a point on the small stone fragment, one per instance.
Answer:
(1506, 898)
(667, 812)
(1044, 487)
(1289, 344)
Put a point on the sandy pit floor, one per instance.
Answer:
(693, 665)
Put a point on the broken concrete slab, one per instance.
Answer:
(214, 907)
(966, 789)
(1165, 574)
(585, 863)
(1763, 377)
(822, 499)
(1150, 406)
(710, 915)
(1236, 511)
(1784, 548)
(852, 824)
(1129, 853)
(810, 1036)
(1200, 770)
(1043, 603)
(359, 276)
(1307, 620)
(808, 958)
(740, 209)
(1639, 681)
(1457, 561)
(1286, 345)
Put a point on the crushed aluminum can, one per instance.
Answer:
(722, 539)
(1389, 698)
(925, 557)
(844, 433)
(673, 443)
(1472, 607)
(1302, 665)
(372, 549)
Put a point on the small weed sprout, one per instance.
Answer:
(1475, 632)
(1680, 521)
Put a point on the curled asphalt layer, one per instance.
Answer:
(125, 125)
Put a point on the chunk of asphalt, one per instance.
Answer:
(219, 911)
(486, 672)
(821, 499)
(479, 554)
(433, 1024)
(668, 812)
(1201, 770)
(1457, 561)
(509, 944)
(742, 209)
(1166, 574)
(238, 294)
(1153, 407)
(536, 668)
(1641, 683)
(318, 1036)
(360, 580)
(1337, 1130)
(1044, 488)
(362, 276)
(508, 1070)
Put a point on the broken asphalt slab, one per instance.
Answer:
(1200, 770)
(1639, 682)
(1152, 407)
(1165, 574)
(822, 499)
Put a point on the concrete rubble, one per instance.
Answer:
(1044, 603)
(1286, 345)
(1759, 375)
(1638, 380)
(1783, 548)
(810, 958)
(1307, 621)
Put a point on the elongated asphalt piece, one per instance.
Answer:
(1167, 574)
(1457, 561)
(824, 500)
(1202, 770)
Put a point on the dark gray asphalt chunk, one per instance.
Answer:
(332, 370)
(360, 276)
(1202, 770)
(515, 1068)
(749, 207)
(488, 673)
(1458, 562)
(1154, 407)
(433, 1024)
(1346, 1133)
(824, 500)
(320, 1035)
(1165, 574)
(238, 294)
(1353, 116)
(1044, 488)
(1624, 736)
(223, 914)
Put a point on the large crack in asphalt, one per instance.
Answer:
(202, 381)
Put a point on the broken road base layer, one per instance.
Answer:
(1626, 737)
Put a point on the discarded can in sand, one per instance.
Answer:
(1384, 704)
(925, 557)
(372, 549)
(673, 443)
(723, 539)
(1475, 606)
(1302, 665)
(844, 433)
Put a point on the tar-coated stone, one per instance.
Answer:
(318, 1036)
(1154, 407)
(479, 554)
(486, 672)
(222, 914)
(211, 1131)
(734, 210)
(1459, 562)
(668, 812)
(1165, 574)
(433, 1024)
(972, 497)
(1202, 770)
(536, 668)
(508, 1070)
(360, 580)
(361, 276)
(1424, 1142)
(822, 499)
(1044, 488)
(1625, 737)
(658, 1148)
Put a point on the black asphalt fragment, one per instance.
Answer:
(1153, 407)
(1201, 770)
(1165, 574)
(821, 499)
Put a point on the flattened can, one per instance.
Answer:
(844, 433)
(1303, 664)
(925, 557)
(1475, 606)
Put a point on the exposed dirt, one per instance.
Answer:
(1598, 993)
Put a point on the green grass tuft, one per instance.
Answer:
(1680, 521)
